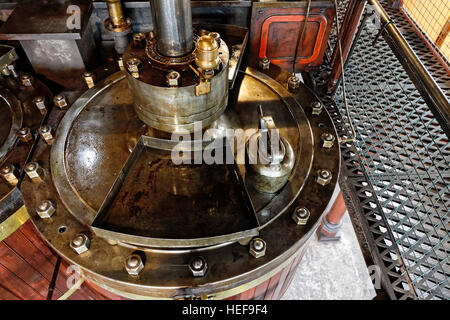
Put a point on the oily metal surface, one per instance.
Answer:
(92, 143)
(197, 205)
(166, 273)
(99, 131)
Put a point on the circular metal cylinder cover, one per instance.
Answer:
(141, 227)
(174, 106)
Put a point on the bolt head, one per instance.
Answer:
(7, 169)
(134, 264)
(9, 175)
(39, 102)
(323, 177)
(327, 140)
(44, 129)
(45, 209)
(60, 101)
(89, 79)
(31, 166)
(301, 215)
(264, 63)
(198, 267)
(24, 134)
(34, 171)
(133, 64)
(316, 107)
(258, 247)
(120, 63)
(139, 40)
(80, 243)
(293, 83)
(46, 134)
(26, 80)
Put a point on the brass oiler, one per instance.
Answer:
(207, 55)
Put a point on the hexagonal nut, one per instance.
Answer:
(120, 63)
(301, 215)
(12, 69)
(323, 177)
(40, 103)
(327, 140)
(134, 264)
(133, 65)
(172, 79)
(8, 173)
(198, 266)
(46, 134)
(264, 64)
(60, 101)
(46, 209)
(80, 243)
(26, 80)
(139, 40)
(293, 83)
(89, 78)
(24, 134)
(34, 171)
(258, 248)
(316, 107)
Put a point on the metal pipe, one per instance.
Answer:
(172, 20)
(115, 12)
(353, 16)
(429, 89)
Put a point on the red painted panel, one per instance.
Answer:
(276, 27)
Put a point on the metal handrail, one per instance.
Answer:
(427, 86)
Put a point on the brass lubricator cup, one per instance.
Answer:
(207, 53)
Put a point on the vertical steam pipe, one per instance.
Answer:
(172, 20)
(115, 12)
(118, 24)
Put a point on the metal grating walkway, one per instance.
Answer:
(398, 169)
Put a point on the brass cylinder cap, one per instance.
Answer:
(207, 53)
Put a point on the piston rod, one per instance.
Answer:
(172, 20)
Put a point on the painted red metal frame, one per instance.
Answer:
(293, 18)
(264, 15)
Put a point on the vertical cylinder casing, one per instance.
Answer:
(172, 24)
